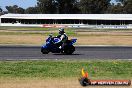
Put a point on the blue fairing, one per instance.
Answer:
(73, 41)
(48, 39)
(50, 45)
(56, 40)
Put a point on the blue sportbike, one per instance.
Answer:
(53, 45)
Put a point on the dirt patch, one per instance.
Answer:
(104, 40)
(106, 33)
(81, 40)
(49, 83)
(22, 39)
(84, 38)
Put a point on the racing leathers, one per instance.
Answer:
(63, 38)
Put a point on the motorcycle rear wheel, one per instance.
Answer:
(68, 50)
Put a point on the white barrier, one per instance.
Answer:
(20, 25)
(68, 26)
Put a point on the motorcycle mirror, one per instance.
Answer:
(51, 34)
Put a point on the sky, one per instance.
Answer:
(21, 3)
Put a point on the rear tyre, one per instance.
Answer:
(69, 50)
(44, 51)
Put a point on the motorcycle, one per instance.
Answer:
(53, 45)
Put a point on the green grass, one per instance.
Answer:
(64, 69)
(26, 28)
(30, 31)
(47, 31)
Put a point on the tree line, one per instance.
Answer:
(75, 7)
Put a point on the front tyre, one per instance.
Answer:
(44, 51)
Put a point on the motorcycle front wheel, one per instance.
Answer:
(44, 51)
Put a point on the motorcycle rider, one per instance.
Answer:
(63, 37)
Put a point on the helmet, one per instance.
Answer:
(61, 30)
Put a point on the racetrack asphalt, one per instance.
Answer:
(82, 52)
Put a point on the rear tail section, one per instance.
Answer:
(73, 41)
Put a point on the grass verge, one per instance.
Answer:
(65, 69)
